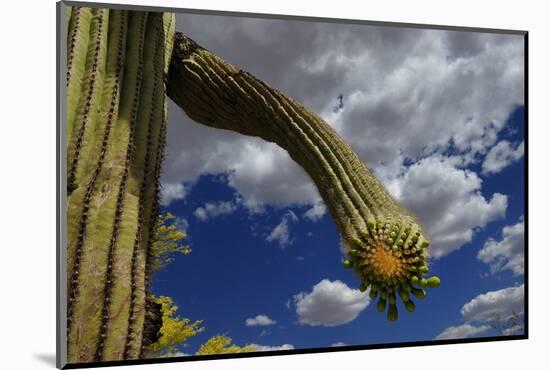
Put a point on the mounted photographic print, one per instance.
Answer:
(238, 185)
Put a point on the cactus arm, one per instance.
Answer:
(386, 245)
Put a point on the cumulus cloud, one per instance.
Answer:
(415, 90)
(316, 212)
(495, 305)
(171, 192)
(182, 224)
(406, 94)
(501, 310)
(212, 210)
(515, 329)
(281, 232)
(338, 344)
(447, 199)
(260, 320)
(330, 303)
(500, 156)
(463, 331)
(507, 253)
(282, 347)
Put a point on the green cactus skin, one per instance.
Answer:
(116, 127)
(385, 244)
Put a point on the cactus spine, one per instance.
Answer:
(385, 244)
(116, 116)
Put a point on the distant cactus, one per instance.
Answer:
(120, 65)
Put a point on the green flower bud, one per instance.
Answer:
(433, 282)
(381, 305)
(419, 293)
(392, 298)
(392, 313)
(410, 306)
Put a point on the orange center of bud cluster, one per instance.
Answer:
(385, 264)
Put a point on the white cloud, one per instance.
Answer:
(182, 224)
(201, 214)
(500, 310)
(515, 329)
(507, 253)
(330, 303)
(171, 192)
(501, 156)
(212, 210)
(338, 344)
(500, 304)
(287, 303)
(281, 233)
(282, 347)
(406, 93)
(447, 200)
(463, 331)
(260, 320)
(316, 212)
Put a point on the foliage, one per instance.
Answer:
(174, 331)
(167, 241)
(221, 344)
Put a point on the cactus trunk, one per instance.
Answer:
(116, 118)
(386, 245)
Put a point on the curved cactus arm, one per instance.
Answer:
(386, 246)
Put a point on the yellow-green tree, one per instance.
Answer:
(167, 241)
(221, 344)
(175, 330)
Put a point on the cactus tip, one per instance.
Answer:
(392, 313)
(433, 282)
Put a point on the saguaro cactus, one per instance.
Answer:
(386, 245)
(120, 67)
(116, 125)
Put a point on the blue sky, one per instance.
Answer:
(450, 103)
